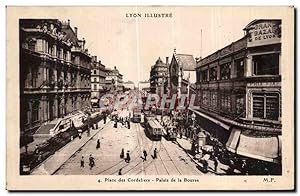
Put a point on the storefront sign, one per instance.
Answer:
(264, 32)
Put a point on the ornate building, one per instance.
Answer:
(158, 77)
(181, 74)
(114, 80)
(98, 75)
(54, 72)
(239, 92)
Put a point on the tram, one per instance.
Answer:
(153, 127)
(136, 116)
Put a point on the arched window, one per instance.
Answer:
(35, 111)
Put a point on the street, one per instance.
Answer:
(171, 159)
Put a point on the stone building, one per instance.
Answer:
(98, 75)
(114, 80)
(182, 73)
(239, 93)
(54, 72)
(158, 77)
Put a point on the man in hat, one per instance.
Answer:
(145, 155)
(92, 161)
(127, 159)
(82, 162)
(155, 153)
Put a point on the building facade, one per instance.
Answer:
(144, 86)
(239, 93)
(98, 75)
(158, 77)
(54, 72)
(129, 85)
(114, 80)
(182, 73)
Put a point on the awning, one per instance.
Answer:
(211, 119)
(233, 140)
(266, 148)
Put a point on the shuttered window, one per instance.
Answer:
(266, 106)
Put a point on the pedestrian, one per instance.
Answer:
(88, 132)
(244, 167)
(91, 161)
(127, 159)
(128, 122)
(205, 166)
(122, 154)
(216, 162)
(155, 153)
(98, 144)
(145, 155)
(40, 157)
(36, 150)
(104, 119)
(120, 172)
(82, 162)
(231, 167)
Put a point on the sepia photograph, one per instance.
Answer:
(150, 98)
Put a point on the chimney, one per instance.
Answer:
(99, 62)
(69, 22)
(76, 30)
(94, 58)
(115, 67)
(174, 50)
(167, 60)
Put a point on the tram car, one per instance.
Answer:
(171, 133)
(153, 127)
(136, 116)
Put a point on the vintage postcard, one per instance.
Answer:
(150, 98)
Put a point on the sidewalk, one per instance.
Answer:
(54, 162)
(39, 140)
(186, 146)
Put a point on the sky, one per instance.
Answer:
(134, 44)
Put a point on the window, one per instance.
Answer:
(266, 106)
(95, 86)
(225, 71)
(214, 100)
(95, 71)
(95, 79)
(27, 114)
(213, 73)
(240, 105)
(35, 111)
(31, 45)
(203, 75)
(225, 101)
(205, 98)
(239, 64)
(34, 77)
(266, 64)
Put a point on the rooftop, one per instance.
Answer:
(186, 61)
